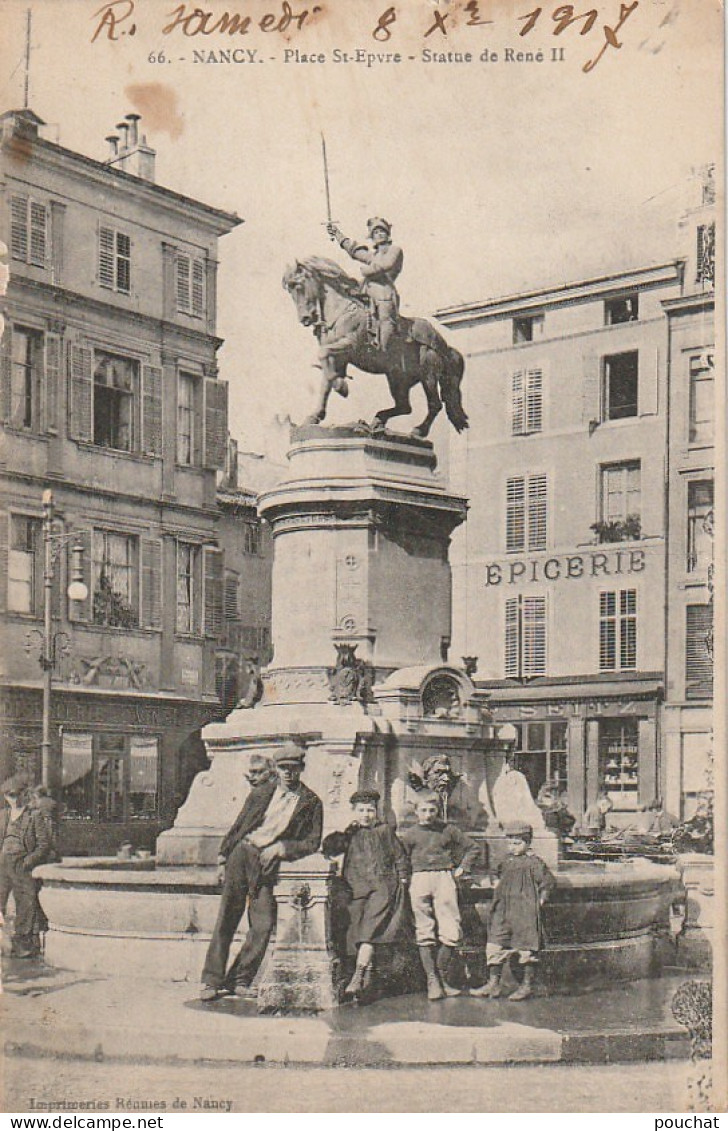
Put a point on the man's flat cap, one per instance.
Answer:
(365, 797)
(517, 828)
(289, 754)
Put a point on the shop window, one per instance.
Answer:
(700, 525)
(702, 399)
(26, 375)
(114, 260)
(190, 285)
(25, 569)
(698, 657)
(619, 761)
(525, 637)
(618, 630)
(541, 754)
(28, 230)
(227, 681)
(526, 401)
(114, 401)
(526, 513)
(108, 778)
(619, 386)
(115, 579)
(623, 309)
(528, 328)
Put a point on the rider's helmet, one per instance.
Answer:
(378, 222)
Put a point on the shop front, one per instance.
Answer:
(585, 735)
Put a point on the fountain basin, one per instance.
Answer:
(131, 919)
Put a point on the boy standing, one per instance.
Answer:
(515, 920)
(439, 855)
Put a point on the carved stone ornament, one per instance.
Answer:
(442, 698)
(350, 680)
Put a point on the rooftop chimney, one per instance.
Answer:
(132, 119)
(128, 152)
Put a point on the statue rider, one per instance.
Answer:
(381, 262)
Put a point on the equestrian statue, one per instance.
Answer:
(359, 324)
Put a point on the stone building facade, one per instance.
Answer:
(560, 572)
(111, 398)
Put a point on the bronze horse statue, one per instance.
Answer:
(331, 302)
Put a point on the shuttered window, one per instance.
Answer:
(525, 637)
(28, 230)
(618, 630)
(114, 260)
(526, 513)
(698, 659)
(231, 595)
(151, 571)
(190, 285)
(216, 423)
(526, 401)
(188, 588)
(213, 573)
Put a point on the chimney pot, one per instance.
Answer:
(123, 127)
(132, 119)
(113, 141)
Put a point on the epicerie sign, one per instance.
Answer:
(567, 567)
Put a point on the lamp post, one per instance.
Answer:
(77, 591)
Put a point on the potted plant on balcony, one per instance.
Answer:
(627, 529)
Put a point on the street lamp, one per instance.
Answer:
(77, 591)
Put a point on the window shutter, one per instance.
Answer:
(81, 399)
(534, 401)
(198, 287)
(53, 361)
(151, 603)
(6, 371)
(534, 636)
(607, 631)
(590, 397)
(123, 263)
(106, 257)
(4, 521)
(648, 384)
(515, 514)
(152, 410)
(537, 512)
(698, 661)
(511, 649)
(38, 225)
(231, 595)
(213, 572)
(216, 422)
(19, 227)
(80, 611)
(518, 404)
(182, 283)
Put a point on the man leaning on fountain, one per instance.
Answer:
(281, 819)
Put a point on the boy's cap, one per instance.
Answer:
(365, 797)
(517, 828)
(289, 755)
(425, 797)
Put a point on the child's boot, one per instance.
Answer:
(445, 956)
(492, 988)
(435, 991)
(526, 987)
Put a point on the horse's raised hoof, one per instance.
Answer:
(377, 427)
(310, 421)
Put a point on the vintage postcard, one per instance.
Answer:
(361, 557)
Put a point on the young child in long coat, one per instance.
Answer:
(377, 873)
(515, 926)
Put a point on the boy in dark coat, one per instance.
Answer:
(515, 920)
(376, 871)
